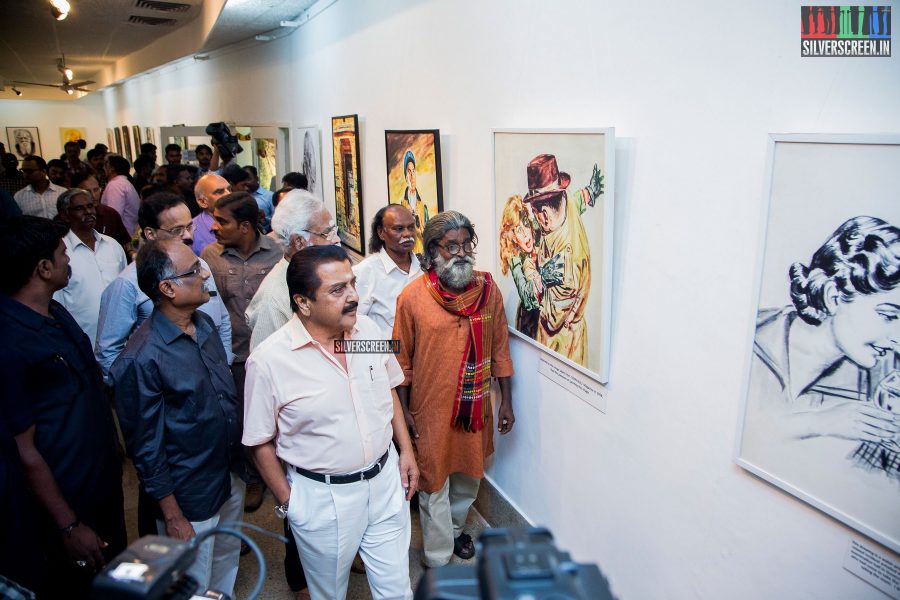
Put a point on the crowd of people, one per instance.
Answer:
(219, 336)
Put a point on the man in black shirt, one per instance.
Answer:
(177, 406)
(53, 405)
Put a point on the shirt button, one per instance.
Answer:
(245, 263)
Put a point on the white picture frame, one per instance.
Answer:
(808, 422)
(576, 153)
(309, 153)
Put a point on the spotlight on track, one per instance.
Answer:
(59, 9)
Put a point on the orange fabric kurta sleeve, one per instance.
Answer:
(405, 331)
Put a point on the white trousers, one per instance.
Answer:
(332, 522)
(216, 565)
(443, 516)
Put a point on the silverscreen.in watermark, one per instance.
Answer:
(367, 346)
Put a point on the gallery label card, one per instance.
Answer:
(874, 567)
(579, 384)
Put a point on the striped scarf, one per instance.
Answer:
(472, 406)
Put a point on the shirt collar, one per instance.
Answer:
(169, 332)
(73, 241)
(22, 313)
(390, 265)
(300, 336)
(258, 247)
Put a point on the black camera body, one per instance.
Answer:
(224, 140)
(513, 564)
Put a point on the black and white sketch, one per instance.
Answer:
(23, 141)
(822, 414)
(311, 151)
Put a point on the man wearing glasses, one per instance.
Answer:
(178, 409)
(38, 198)
(239, 261)
(453, 341)
(123, 306)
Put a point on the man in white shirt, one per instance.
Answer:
(38, 198)
(94, 259)
(119, 192)
(300, 220)
(390, 265)
(330, 417)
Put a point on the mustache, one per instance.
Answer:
(350, 307)
(458, 261)
(410, 240)
(187, 242)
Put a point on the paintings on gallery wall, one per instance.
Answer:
(310, 141)
(348, 182)
(119, 148)
(136, 139)
(126, 144)
(71, 134)
(823, 389)
(23, 141)
(149, 135)
(553, 201)
(414, 174)
(110, 140)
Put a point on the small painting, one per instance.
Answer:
(126, 143)
(311, 150)
(110, 140)
(414, 174)
(136, 138)
(119, 149)
(71, 134)
(23, 141)
(348, 182)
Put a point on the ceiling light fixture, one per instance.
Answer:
(69, 91)
(67, 73)
(18, 93)
(59, 9)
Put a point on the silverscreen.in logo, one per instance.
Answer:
(367, 346)
(845, 31)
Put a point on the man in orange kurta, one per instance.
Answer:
(453, 340)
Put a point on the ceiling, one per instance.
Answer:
(109, 40)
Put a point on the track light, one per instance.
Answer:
(18, 93)
(59, 9)
(69, 91)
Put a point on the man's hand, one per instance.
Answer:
(83, 544)
(409, 473)
(595, 185)
(180, 528)
(505, 417)
(410, 424)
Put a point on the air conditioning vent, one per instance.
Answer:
(162, 6)
(153, 21)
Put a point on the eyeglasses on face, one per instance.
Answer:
(453, 248)
(179, 230)
(198, 268)
(325, 235)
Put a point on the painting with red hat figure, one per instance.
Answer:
(553, 196)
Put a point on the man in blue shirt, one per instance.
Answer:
(262, 196)
(53, 405)
(177, 406)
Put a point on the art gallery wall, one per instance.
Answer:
(48, 116)
(649, 489)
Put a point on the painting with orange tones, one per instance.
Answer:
(348, 182)
(414, 174)
(71, 134)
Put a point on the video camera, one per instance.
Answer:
(224, 140)
(515, 564)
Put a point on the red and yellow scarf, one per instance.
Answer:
(472, 407)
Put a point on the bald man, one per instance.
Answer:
(208, 190)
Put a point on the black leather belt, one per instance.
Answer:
(349, 478)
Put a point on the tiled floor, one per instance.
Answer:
(275, 586)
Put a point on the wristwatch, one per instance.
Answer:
(281, 509)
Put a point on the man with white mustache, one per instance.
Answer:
(390, 266)
(453, 341)
(95, 259)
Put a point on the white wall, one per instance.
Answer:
(649, 489)
(48, 116)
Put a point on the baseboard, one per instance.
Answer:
(496, 509)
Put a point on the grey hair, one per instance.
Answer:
(435, 229)
(64, 199)
(293, 214)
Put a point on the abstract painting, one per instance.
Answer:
(822, 400)
(348, 182)
(553, 199)
(71, 134)
(414, 174)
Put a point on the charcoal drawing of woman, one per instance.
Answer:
(845, 313)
